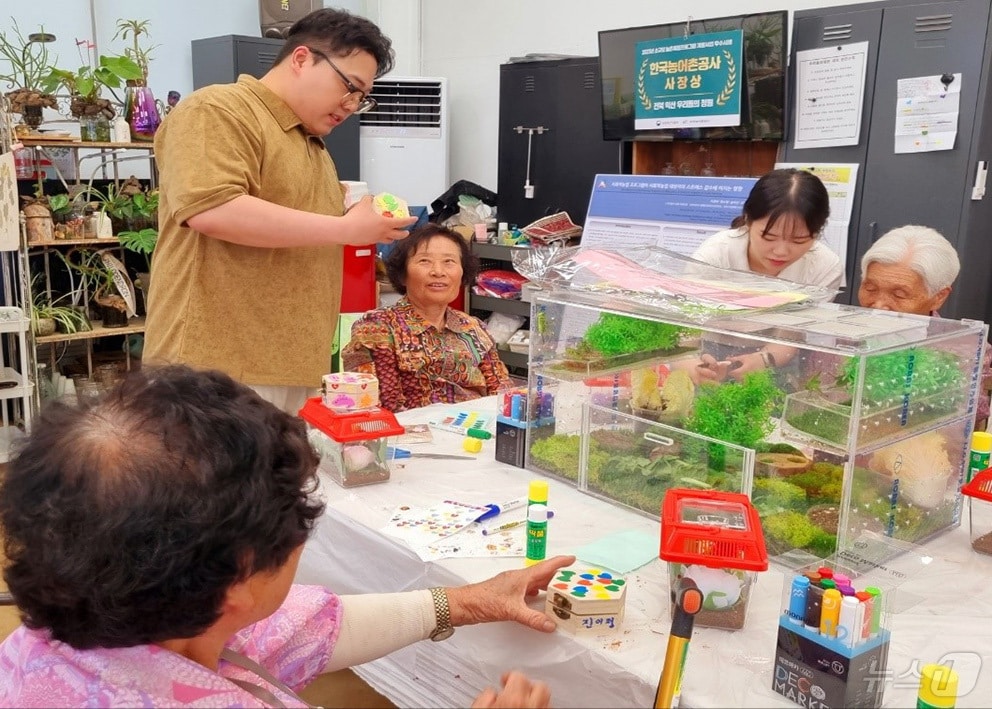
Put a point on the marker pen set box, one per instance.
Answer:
(353, 446)
(833, 629)
(714, 540)
(518, 412)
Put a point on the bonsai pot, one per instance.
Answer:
(112, 317)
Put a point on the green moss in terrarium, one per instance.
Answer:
(888, 377)
(789, 530)
(559, 454)
(765, 447)
(773, 495)
(826, 425)
(612, 335)
(904, 521)
(822, 482)
(736, 412)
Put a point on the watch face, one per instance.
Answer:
(439, 635)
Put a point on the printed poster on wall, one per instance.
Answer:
(830, 95)
(677, 213)
(689, 82)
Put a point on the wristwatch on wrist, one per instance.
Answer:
(442, 611)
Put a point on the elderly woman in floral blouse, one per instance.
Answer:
(423, 351)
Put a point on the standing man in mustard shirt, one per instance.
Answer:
(246, 276)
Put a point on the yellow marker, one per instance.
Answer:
(472, 445)
(830, 612)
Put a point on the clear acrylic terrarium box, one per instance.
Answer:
(826, 429)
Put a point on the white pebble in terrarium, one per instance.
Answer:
(720, 588)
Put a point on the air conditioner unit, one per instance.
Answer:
(404, 141)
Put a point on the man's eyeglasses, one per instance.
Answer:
(356, 100)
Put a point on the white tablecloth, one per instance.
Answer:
(349, 554)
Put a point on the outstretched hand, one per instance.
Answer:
(517, 691)
(366, 226)
(504, 597)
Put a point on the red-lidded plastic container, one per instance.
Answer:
(715, 539)
(979, 490)
(352, 446)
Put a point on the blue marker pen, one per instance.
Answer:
(797, 599)
(515, 405)
(504, 507)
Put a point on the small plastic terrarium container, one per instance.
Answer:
(353, 445)
(979, 492)
(714, 539)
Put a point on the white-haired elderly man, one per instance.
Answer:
(912, 269)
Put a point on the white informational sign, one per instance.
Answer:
(674, 212)
(840, 179)
(830, 95)
(9, 224)
(927, 109)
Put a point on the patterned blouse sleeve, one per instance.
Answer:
(493, 370)
(296, 642)
(372, 350)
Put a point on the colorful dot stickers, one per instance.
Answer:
(588, 583)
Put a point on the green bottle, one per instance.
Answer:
(981, 447)
(537, 534)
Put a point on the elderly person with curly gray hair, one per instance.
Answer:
(152, 539)
(912, 269)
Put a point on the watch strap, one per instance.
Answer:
(442, 612)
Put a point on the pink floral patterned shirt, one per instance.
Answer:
(294, 644)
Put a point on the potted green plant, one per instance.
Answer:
(141, 242)
(85, 87)
(106, 279)
(48, 315)
(140, 107)
(144, 210)
(132, 30)
(28, 63)
(128, 205)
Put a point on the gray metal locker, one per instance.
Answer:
(909, 39)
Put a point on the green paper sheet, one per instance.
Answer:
(621, 552)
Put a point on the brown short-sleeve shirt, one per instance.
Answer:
(265, 316)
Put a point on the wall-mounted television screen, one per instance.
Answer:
(762, 105)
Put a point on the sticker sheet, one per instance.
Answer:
(420, 527)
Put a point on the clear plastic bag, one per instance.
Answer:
(661, 280)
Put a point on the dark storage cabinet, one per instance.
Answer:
(564, 97)
(908, 38)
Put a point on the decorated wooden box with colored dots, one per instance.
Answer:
(584, 599)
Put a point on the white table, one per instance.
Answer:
(349, 554)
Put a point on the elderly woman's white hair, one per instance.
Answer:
(922, 249)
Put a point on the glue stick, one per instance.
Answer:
(981, 447)
(938, 687)
(537, 493)
(537, 533)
